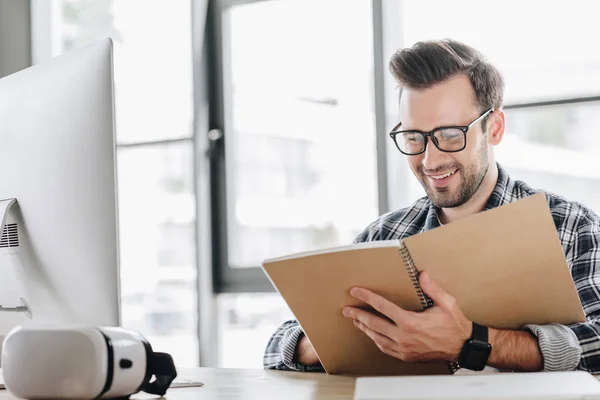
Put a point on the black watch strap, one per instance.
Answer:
(476, 350)
(479, 333)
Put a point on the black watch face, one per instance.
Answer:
(478, 354)
(475, 355)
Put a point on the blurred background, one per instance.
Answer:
(249, 129)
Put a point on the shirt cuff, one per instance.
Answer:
(559, 346)
(288, 349)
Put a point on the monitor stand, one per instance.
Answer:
(14, 311)
(11, 273)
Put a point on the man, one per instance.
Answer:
(451, 119)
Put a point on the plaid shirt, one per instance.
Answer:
(563, 347)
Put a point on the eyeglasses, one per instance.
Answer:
(450, 139)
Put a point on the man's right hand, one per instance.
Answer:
(305, 352)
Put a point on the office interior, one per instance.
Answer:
(249, 129)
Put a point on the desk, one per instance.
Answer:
(250, 384)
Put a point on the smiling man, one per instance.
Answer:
(450, 121)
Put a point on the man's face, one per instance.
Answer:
(450, 103)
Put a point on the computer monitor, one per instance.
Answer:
(59, 239)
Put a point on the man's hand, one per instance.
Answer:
(305, 352)
(436, 334)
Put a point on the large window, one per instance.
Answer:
(300, 138)
(302, 144)
(153, 89)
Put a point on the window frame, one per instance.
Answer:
(228, 279)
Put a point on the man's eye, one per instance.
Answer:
(412, 138)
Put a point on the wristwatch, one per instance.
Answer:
(476, 350)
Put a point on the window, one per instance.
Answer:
(301, 151)
(246, 322)
(158, 268)
(153, 60)
(153, 89)
(544, 53)
(553, 146)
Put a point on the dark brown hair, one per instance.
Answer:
(430, 62)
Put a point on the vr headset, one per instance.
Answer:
(83, 363)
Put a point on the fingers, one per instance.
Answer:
(371, 321)
(384, 343)
(381, 304)
(432, 289)
(435, 334)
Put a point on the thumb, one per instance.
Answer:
(434, 290)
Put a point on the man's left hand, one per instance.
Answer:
(436, 334)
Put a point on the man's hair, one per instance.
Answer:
(427, 63)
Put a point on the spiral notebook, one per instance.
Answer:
(505, 267)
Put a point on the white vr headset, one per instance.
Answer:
(83, 363)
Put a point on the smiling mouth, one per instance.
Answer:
(442, 176)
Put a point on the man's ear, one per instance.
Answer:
(495, 127)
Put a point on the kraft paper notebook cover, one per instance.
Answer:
(505, 267)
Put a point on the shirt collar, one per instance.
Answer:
(500, 195)
(503, 191)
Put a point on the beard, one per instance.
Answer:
(470, 180)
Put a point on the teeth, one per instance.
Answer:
(438, 177)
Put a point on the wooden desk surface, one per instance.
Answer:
(260, 384)
(249, 384)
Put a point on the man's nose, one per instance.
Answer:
(433, 157)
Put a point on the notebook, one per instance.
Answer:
(505, 267)
(567, 385)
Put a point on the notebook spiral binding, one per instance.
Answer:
(413, 273)
(425, 300)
